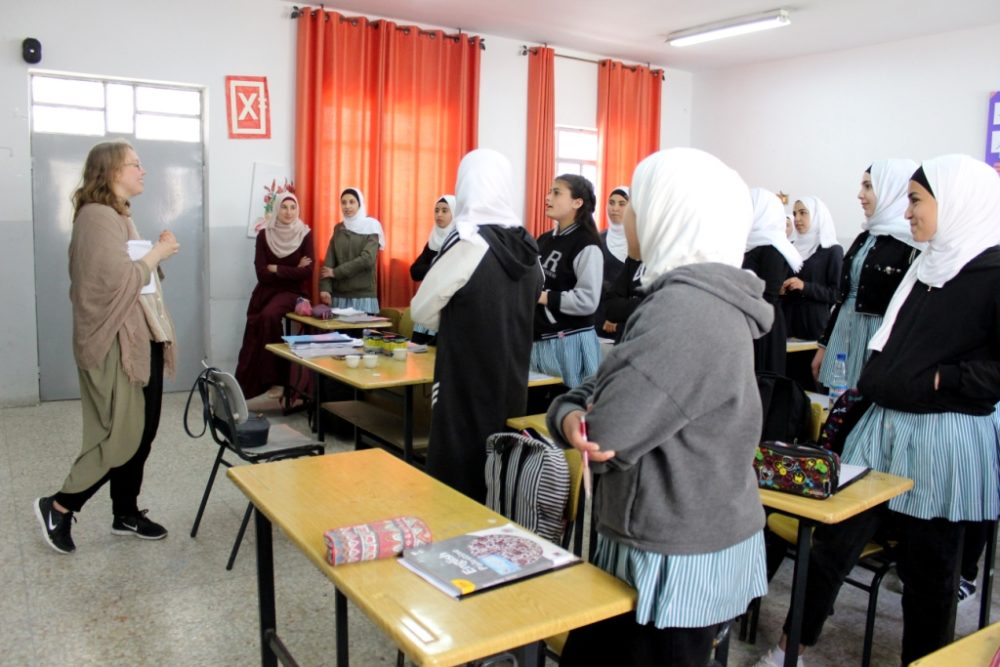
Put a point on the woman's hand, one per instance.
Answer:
(304, 262)
(572, 435)
(326, 272)
(543, 298)
(817, 362)
(609, 327)
(792, 283)
(324, 297)
(165, 247)
(272, 268)
(937, 380)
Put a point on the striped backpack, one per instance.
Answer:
(527, 481)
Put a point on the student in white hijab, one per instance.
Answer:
(694, 552)
(773, 258)
(479, 295)
(621, 272)
(873, 267)
(444, 225)
(811, 293)
(349, 277)
(933, 386)
(615, 247)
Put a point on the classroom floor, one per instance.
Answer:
(124, 601)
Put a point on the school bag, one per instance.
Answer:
(786, 409)
(527, 481)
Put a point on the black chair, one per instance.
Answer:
(224, 412)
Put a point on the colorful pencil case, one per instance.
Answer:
(379, 539)
(797, 469)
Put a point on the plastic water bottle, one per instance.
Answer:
(838, 381)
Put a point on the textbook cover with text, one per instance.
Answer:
(485, 559)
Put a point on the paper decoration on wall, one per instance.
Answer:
(248, 107)
(993, 132)
(268, 181)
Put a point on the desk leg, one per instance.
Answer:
(408, 425)
(265, 588)
(802, 548)
(986, 589)
(340, 609)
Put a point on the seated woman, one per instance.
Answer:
(934, 381)
(283, 262)
(678, 394)
(772, 257)
(348, 278)
(873, 267)
(444, 210)
(811, 293)
(566, 344)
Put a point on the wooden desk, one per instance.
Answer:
(870, 491)
(305, 497)
(975, 650)
(336, 325)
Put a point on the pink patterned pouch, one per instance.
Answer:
(379, 539)
(303, 307)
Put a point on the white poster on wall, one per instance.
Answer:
(268, 180)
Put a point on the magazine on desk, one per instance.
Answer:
(485, 559)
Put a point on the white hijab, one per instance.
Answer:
(967, 192)
(484, 193)
(284, 239)
(439, 234)
(769, 227)
(821, 232)
(689, 208)
(615, 240)
(889, 180)
(360, 223)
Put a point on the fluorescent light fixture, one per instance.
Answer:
(740, 25)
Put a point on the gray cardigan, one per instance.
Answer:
(677, 401)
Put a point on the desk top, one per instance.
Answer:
(337, 325)
(798, 345)
(873, 489)
(975, 650)
(307, 496)
(417, 369)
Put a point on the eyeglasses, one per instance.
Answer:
(137, 165)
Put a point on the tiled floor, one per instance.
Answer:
(123, 601)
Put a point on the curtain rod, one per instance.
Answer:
(302, 11)
(525, 48)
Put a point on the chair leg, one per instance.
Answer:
(208, 490)
(239, 536)
(721, 656)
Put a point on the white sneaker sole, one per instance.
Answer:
(45, 531)
(119, 531)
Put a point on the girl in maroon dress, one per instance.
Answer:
(283, 263)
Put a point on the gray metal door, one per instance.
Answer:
(173, 199)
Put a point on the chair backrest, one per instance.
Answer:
(528, 481)
(224, 408)
(786, 408)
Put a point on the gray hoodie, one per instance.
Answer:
(677, 401)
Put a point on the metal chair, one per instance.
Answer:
(224, 410)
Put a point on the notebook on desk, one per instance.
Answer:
(850, 474)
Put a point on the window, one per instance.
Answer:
(95, 107)
(576, 152)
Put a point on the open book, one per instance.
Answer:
(485, 559)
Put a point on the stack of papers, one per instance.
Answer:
(331, 344)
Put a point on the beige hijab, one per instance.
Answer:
(284, 239)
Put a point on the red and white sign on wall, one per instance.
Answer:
(248, 107)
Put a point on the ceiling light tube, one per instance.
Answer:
(740, 25)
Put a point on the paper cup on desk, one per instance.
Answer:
(371, 360)
(399, 354)
(352, 360)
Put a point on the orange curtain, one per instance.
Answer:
(628, 122)
(541, 162)
(388, 109)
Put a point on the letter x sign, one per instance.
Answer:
(248, 107)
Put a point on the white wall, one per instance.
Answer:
(812, 125)
(196, 42)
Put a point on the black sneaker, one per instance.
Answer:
(55, 526)
(137, 524)
(966, 590)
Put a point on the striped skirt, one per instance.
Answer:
(952, 458)
(573, 358)
(850, 334)
(688, 591)
(366, 304)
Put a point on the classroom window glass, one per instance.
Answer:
(576, 152)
